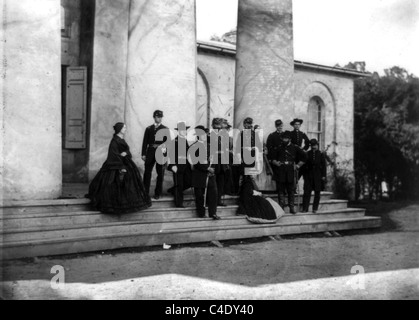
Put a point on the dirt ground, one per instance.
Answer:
(297, 267)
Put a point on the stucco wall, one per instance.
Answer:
(337, 92)
(219, 71)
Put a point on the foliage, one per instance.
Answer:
(387, 133)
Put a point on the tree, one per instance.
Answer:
(387, 132)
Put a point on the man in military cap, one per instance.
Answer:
(249, 142)
(182, 173)
(287, 160)
(222, 166)
(204, 173)
(315, 172)
(274, 140)
(298, 137)
(150, 146)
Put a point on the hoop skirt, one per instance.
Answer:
(115, 192)
(256, 208)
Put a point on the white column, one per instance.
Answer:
(265, 66)
(31, 99)
(109, 77)
(162, 66)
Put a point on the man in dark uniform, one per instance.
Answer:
(315, 172)
(288, 158)
(250, 144)
(150, 145)
(298, 137)
(238, 169)
(223, 169)
(274, 140)
(182, 172)
(204, 179)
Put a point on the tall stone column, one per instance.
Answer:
(109, 77)
(162, 66)
(31, 100)
(265, 63)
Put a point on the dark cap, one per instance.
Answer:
(296, 120)
(278, 123)
(248, 121)
(158, 114)
(286, 135)
(217, 121)
(314, 142)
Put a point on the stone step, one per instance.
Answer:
(131, 238)
(155, 225)
(64, 218)
(72, 205)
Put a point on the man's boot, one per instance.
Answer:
(291, 203)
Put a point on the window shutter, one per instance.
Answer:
(76, 108)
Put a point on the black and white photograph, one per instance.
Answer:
(197, 151)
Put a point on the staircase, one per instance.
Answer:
(58, 227)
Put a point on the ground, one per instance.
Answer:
(296, 267)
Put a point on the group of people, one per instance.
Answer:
(119, 188)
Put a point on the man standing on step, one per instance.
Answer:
(150, 146)
(204, 174)
(287, 159)
(181, 168)
(315, 172)
(298, 137)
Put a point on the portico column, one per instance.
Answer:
(162, 66)
(265, 63)
(30, 82)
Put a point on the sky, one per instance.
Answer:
(383, 33)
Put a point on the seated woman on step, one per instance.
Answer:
(118, 187)
(255, 206)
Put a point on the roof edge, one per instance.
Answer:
(230, 50)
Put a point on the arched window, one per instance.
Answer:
(316, 121)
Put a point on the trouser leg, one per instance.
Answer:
(307, 197)
(160, 177)
(316, 203)
(199, 201)
(147, 175)
(212, 197)
(221, 179)
(281, 194)
(179, 189)
(290, 190)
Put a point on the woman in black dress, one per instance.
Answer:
(257, 208)
(118, 187)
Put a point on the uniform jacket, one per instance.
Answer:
(150, 138)
(289, 156)
(298, 137)
(273, 143)
(200, 170)
(185, 165)
(315, 169)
